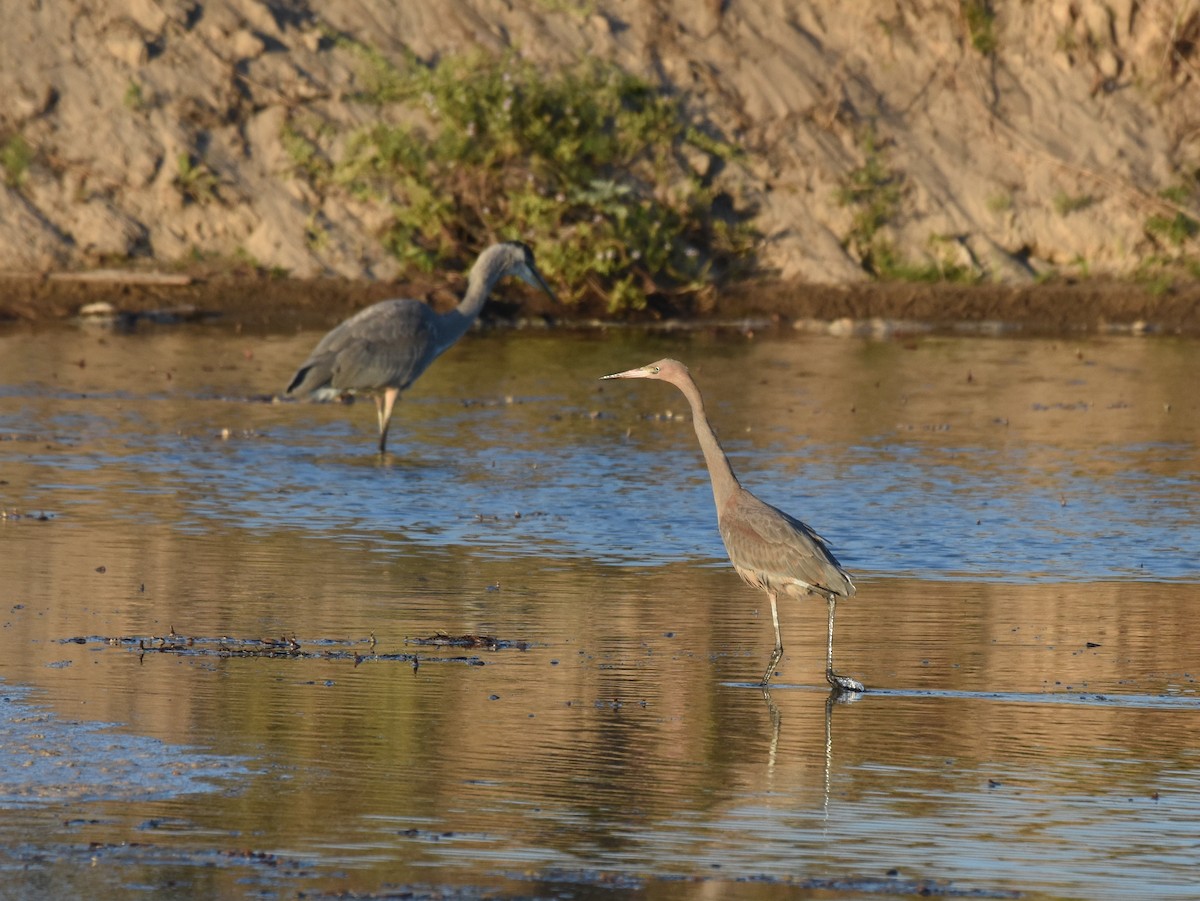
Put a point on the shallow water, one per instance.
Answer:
(1019, 515)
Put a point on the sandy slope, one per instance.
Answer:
(1046, 156)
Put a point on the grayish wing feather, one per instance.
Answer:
(772, 550)
(386, 345)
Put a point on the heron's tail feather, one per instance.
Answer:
(297, 379)
(312, 376)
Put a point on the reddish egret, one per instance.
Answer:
(383, 349)
(769, 549)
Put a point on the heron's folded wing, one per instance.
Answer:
(778, 548)
(387, 350)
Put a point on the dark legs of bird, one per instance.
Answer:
(840, 683)
(383, 409)
(778, 652)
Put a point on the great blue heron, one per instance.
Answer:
(769, 549)
(383, 349)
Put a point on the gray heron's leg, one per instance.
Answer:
(778, 652)
(840, 683)
(383, 408)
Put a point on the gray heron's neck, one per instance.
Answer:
(488, 269)
(720, 473)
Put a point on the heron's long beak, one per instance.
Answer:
(641, 372)
(533, 278)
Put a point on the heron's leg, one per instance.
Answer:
(841, 683)
(778, 652)
(383, 407)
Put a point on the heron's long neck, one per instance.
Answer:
(720, 473)
(488, 270)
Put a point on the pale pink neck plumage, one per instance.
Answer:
(720, 473)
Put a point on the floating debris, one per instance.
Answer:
(14, 515)
(359, 650)
(470, 641)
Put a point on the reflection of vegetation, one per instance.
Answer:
(15, 158)
(603, 174)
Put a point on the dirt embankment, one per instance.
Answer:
(265, 303)
(1021, 139)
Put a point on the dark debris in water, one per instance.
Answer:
(895, 885)
(891, 884)
(441, 639)
(139, 853)
(360, 650)
(15, 515)
(420, 893)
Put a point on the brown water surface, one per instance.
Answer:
(1019, 515)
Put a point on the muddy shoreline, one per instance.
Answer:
(257, 301)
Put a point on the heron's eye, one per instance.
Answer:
(656, 369)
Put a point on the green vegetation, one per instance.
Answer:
(874, 192)
(579, 8)
(16, 156)
(1173, 231)
(981, 25)
(604, 175)
(1066, 42)
(1180, 228)
(1176, 230)
(195, 179)
(941, 267)
(1000, 203)
(135, 98)
(1065, 204)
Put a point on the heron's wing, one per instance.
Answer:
(388, 344)
(769, 548)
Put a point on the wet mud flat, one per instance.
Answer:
(114, 870)
(260, 302)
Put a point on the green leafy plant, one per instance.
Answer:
(980, 19)
(1000, 202)
(1065, 204)
(590, 165)
(16, 156)
(135, 98)
(874, 191)
(1176, 230)
(195, 179)
(941, 267)
(580, 8)
(1180, 228)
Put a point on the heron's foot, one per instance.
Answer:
(843, 683)
(775, 656)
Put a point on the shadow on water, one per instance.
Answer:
(1018, 514)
